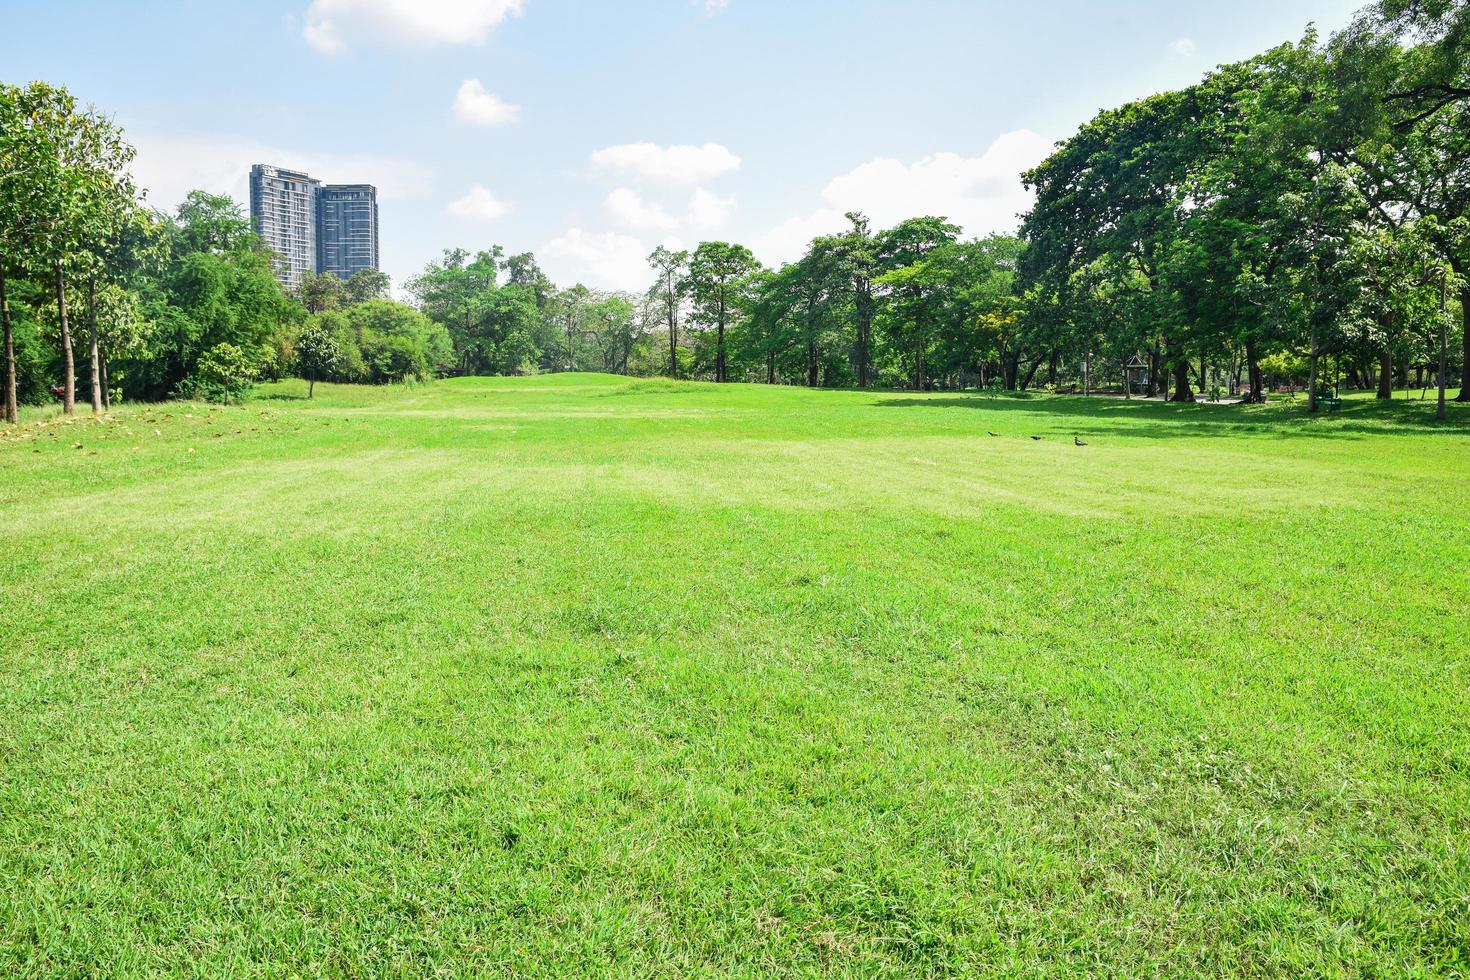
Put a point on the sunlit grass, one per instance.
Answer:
(584, 675)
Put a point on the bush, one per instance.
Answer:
(1283, 368)
(225, 375)
(394, 358)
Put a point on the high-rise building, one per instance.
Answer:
(283, 208)
(347, 229)
(314, 227)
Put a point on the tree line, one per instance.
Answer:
(912, 305)
(1297, 218)
(1305, 206)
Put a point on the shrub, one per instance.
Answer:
(225, 375)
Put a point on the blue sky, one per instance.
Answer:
(589, 132)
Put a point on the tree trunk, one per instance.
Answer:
(1312, 374)
(1203, 373)
(1385, 374)
(1441, 412)
(673, 345)
(720, 352)
(310, 388)
(69, 396)
(1257, 394)
(1030, 374)
(864, 338)
(1156, 384)
(12, 406)
(95, 357)
(811, 364)
(106, 392)
(1182, 391)
(771, 368)
(1464, 395)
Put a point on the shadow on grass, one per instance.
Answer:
(1152, 419)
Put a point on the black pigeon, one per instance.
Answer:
(1036, 438)
(996, 434)
(1078, 442)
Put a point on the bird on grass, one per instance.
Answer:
(995, 435)
(1036, 438)
(1078, 442)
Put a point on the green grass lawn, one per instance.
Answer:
(582, 675)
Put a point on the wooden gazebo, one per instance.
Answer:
(1137, 372)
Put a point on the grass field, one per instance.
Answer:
(581, 675)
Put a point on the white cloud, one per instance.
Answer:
(603, 260)
(709, 210)
(1183, 47)
(478, 205)
(169, 167)
(332, 25)
(706, 210)
(628, 208)
(981, 194)
(711, 7)
(472, 104)
(668, 164)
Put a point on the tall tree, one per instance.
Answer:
(134, 249)
(569, 308)
(716, 283)
(855, 253)
(212, 223)
(770, 332)
(23, 161)
(913, 286)
(72, 160)
(616, 326)
(1438, 31)
(115, 243)
(794, 310)
(458, 291)
(670, 268)
(1120, 193)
